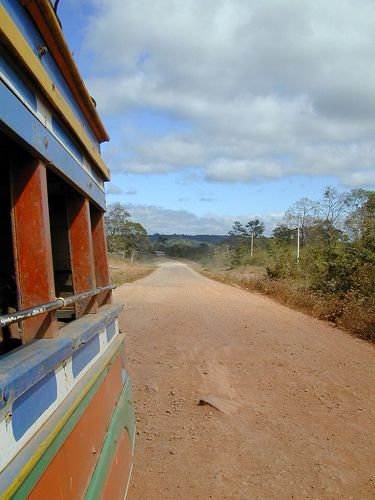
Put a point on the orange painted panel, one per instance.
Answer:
(71, 469)
(32, 242)
(100, 254)
(117, 480)
(81, 252)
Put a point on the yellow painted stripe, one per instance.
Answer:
(31, 463)
(16, 41)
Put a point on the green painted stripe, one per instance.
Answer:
(42, 464)
(123, 417)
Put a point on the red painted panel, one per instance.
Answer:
(118, 476)
(100, 254)
(32, 243)
(81, 252)
(70, 471)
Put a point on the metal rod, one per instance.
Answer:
(59, 303)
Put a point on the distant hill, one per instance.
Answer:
(211, 239)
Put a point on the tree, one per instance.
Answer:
(332, 208)
(302, 214)
(124, 235)
(360, 219)
(254, 228)
(283, 234)
(237, 230)
(115, 219)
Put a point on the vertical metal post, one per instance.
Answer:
(100, 254)
(298, 241)
(252, 245)
(81, 252)
(32, 242)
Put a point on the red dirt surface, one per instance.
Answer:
(293, 399)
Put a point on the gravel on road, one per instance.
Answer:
(238, 397)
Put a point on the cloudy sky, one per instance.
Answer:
(226, 109)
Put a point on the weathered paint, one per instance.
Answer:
(100, 253)
(81, 252)
(30, 365)
(119, 474)
(34, 38)
(17, 119)
(32, 242)
(39, 107)
(21, 369)
(14, 39)
(110, 331)
(75, 461)
(28, 407)
(9, 74)
(56, 434)
(44, 17)
(122, 421)
(82, 357)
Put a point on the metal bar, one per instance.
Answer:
(59, 303)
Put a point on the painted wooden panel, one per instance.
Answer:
(21, 371)
(81, 252)
(111, 331)
(32, 404)
(28, 130)
(82, 357)
(75, 461)
(28, 29)
(32, 242)
(116, 483)
(100, 253)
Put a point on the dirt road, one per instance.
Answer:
(296, 397)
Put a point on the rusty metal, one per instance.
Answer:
(32, 242)
(99, 244)
(81, 251)
(54, 305)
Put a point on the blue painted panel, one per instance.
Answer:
(25, 366)
(32, 404)
(15, 116)
(17, 82)
(66, 138)
(82, 357)
(35, 40)
(110, 331)
(84, 329)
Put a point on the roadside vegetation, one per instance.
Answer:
(123, 271)
(320, 259)
(130, 253)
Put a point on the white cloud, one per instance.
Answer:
(265, 89)
(167, 221)
(360, 179)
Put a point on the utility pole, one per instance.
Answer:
(252, 245)
(298, 241)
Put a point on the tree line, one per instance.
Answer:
(330, 243)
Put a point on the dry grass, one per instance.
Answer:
(350, 312)
(123, 271)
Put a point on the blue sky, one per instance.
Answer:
(230, 109)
